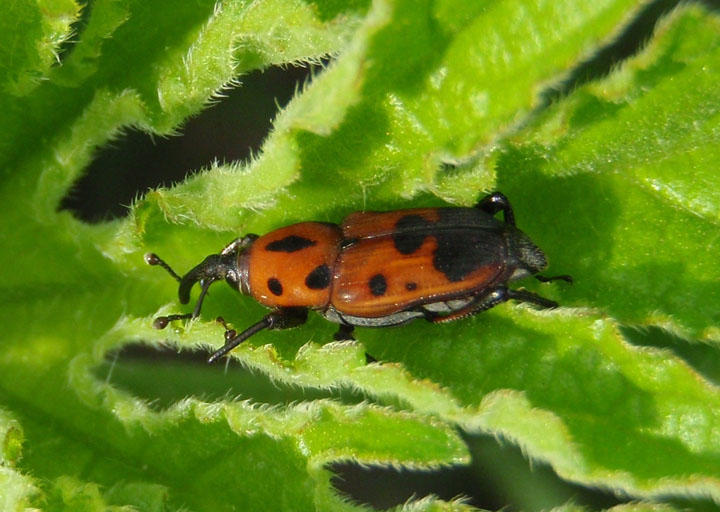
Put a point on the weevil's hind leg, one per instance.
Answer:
(493, 298)
(282, 318)
(344, 333)
(496, 202)
(532, 298)
(481, 303)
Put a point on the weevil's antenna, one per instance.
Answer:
(204, 285)
(153, 259)
(162, 321)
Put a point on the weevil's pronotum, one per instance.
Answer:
(376, 269)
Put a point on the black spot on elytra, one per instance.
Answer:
(467, 239)
(319, 278)
(275, 286)
(410, 232)
(290, 243)
(378, 285)
(460, 251)
(411, 286)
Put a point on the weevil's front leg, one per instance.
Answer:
(229, 333)
(282, 318)
(496, 202)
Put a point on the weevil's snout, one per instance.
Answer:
(212, 268)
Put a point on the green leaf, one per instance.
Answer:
(31, 37)
(16, 487)
(392, 114)
(645, 166)
(421, 103)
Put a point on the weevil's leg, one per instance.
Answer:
(496, 202)
(283, 318)
(563, 277)
(493, 298)
(231, 343)
(481, 303)
(532, 298)
(239, 243)
(344, 333)
(229, 333)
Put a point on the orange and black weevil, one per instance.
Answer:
(376, 269)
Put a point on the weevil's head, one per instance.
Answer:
(226, 265)
(529, 257)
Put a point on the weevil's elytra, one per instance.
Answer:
(359, 225)
(358, 266)
(376, 269)
(300, 272)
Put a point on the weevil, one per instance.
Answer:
(375, 269)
